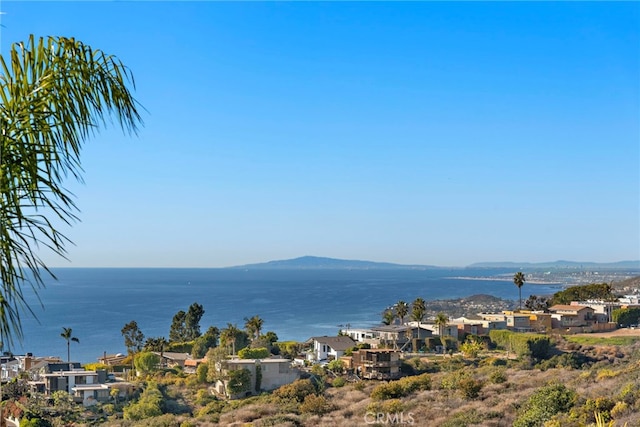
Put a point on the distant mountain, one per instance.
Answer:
(321, 263)
(557, 265)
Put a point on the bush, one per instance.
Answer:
(339, 382)
(297, 390)
(147, 406)
(498, 376)
(523, 344)
(254, 353)
(469, 388)
(402, 387)
(544, 404)
(317, 405)
(211, 408)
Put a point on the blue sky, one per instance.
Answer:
(418, 133)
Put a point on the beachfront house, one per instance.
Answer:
(328, 348)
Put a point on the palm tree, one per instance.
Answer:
(441, 321)
(55, 93)
(387, 317)
(519, 280)
(228, 337)
(67, 334)
(418, 309)
(254, 326)
(402, 309)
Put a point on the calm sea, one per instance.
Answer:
(97, 303)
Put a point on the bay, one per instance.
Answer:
(296, 304)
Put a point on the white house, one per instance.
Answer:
(323, 348)
(85, 386)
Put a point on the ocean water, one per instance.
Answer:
(296, 304)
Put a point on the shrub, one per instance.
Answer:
(254, 353)
(339, 382)
(214, 407)
(472, 346)
(316, 405)
(620, 409)
(297, 390)
(201, 372)
(336, 366)
(498, 376)
(544, 404)
(469, 388)
(147, 406)
(402, 387)
(392, 406)
(523, 344)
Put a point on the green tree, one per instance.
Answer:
(178, 330)
(146, 362)
(133, 337)
(593, 291)
(155, 344)
(626, 316)
(192, 321)
(537, 303)
(402, 309)
(233, 338)
(204, 342)
(253, 325)
(271, 337)
(518, 280)
(55, 93)
(67, 334)
(418, 310)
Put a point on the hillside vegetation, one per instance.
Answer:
(567, 387)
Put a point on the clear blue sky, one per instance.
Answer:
(428, 133)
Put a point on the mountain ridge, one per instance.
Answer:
(309, 262)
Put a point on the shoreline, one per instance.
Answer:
(499, 279)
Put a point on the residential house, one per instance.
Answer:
(568, 316)
(364, 336)
(87, 387)
(171, 360)
(191, 365)
(393, 336)
(518, 322)
(468, 326)
(323, 348)
(540, 321)
(376, 363)
(602, 310)
(265, 375)
(112, 359)
(448, 330)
